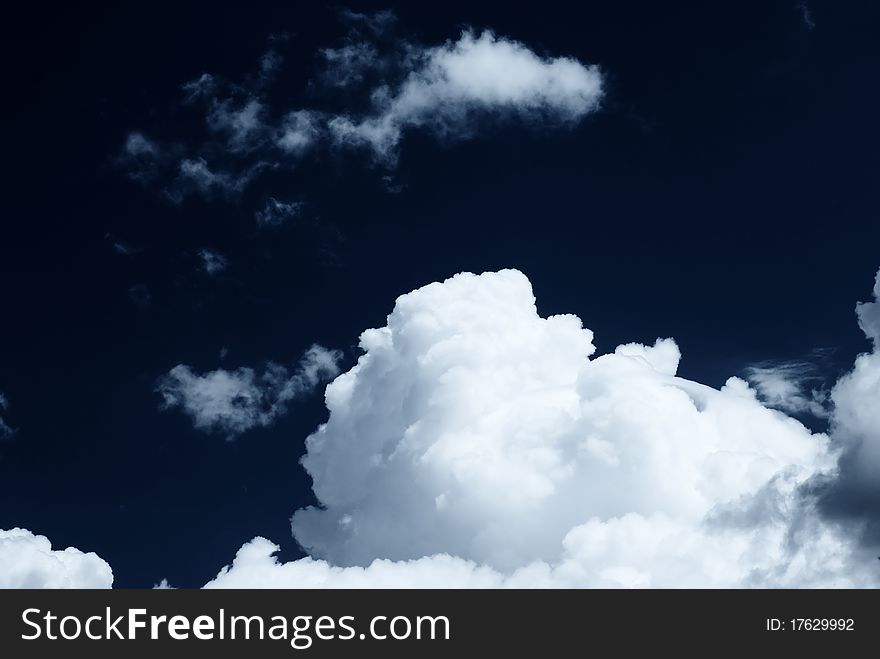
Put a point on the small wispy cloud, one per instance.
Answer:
(377, 23)
(795, 387)
(806, 15)
(347, 65)
(298, 132)
(242, 125)
(391, 85)
(232, 402)
(123, 249)
(276, 212)
(195, 176)
(213, 262)
(6, 430)
(141, 158)
(204, 86)
(448, 88)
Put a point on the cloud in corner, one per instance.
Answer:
(29, 561)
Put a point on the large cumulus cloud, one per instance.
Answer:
(476, 443)
(855, 427)
(28, 561)
(856, 398)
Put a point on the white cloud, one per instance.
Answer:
(213, 262)
(632, 551)
(200, 174)
(141, 157)
(255, 567)
(478, 444)
(317, 365)
(194, 175)
(853, 408)
(299, 131)
(233, 402)
(138, 144)
(276, 212)
(29, 561)
(869, 315)
(270, 62)
(377, 22)
(346, 66)
(806, 16)
(205, 86)
(235, 112)
(449, 86)
(5, 429)
(390, 86)
(856, 398)
(229, 401)
(242, 124)
(793, 387)
(124, 249)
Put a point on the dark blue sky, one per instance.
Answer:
(725, 195)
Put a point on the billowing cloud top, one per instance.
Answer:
(29, 561)
(476, 440)
(477, 444)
